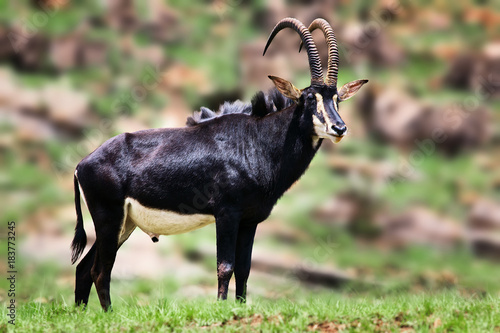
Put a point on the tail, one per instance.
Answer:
(80, 239)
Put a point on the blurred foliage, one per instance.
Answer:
(207, 38)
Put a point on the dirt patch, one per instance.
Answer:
(253, 321)
(379, 325)
(327, 327)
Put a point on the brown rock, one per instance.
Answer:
(420, 226)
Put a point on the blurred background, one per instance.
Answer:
(408, 201)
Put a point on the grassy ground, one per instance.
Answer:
(45, 304)
(442, 312)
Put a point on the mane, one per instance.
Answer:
(261, 105)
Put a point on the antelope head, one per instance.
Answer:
(321, 99)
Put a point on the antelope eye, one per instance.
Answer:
(310, 96)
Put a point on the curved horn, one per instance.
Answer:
(305, 35)
(333, 53)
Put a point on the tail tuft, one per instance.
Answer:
(80, 239)
(78, 244)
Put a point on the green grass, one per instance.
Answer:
(45, 303)
(443, 312)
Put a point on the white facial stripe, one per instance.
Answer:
(321, 110)
(335, 102)
(319, 130)
(319, 127)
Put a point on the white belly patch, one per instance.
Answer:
(163, 222)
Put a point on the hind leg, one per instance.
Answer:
(83, 278)
(126, 231)
(101, 270)
(108, 223)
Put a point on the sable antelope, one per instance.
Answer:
(227, 168)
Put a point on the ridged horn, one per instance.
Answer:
(305, 35)
(333, 52)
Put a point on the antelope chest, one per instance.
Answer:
(163, 222)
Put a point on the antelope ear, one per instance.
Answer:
(286, 88)
(349, 89)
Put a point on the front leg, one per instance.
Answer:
(226, 226)
(244, 246)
